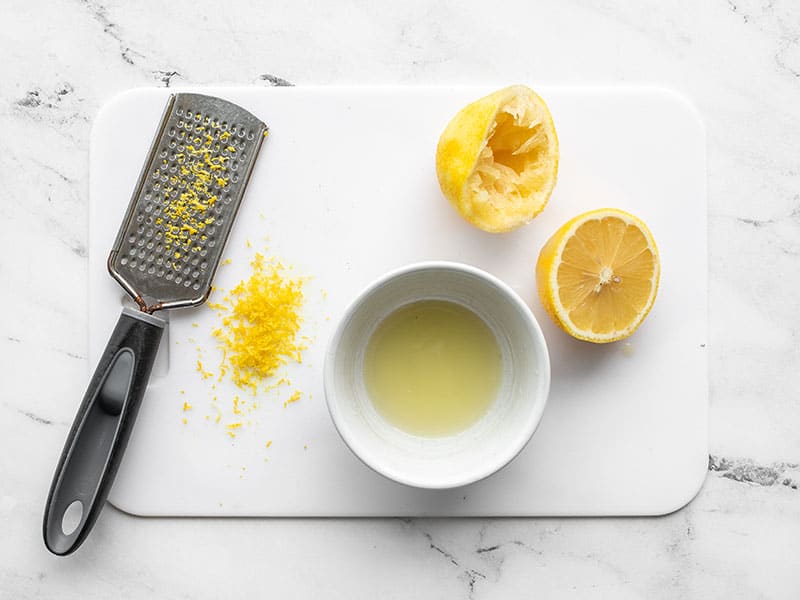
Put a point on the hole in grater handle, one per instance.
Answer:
(72, 517)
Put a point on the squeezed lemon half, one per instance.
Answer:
(497, 160)
(598, 275)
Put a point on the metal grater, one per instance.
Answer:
(165, 255)
(179, 218)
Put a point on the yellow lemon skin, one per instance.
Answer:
(620, 275)
(461, 143)
(497, 159)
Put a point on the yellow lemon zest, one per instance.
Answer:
(260, 323)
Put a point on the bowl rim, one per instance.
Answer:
(500, 460)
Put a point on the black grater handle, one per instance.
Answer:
(98, 437)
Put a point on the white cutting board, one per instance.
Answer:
(345, 189)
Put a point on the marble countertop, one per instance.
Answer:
(740, 64)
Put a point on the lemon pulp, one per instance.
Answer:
(497, 159)
(432, 368)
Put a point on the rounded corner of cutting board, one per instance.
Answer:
(124, 102)
(123, 506)
(685, 107)
(687, 104)
(689, 493)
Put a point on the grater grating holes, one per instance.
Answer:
(186, 195)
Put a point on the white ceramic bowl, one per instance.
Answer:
(488, 445)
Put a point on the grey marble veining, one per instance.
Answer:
(740, 64)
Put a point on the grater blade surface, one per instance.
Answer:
(186, 199)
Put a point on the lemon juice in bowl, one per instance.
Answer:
(432, 368)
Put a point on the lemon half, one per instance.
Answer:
(497, 160)
(598, 275)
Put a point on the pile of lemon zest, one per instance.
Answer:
(260, 324)
(259, 332)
